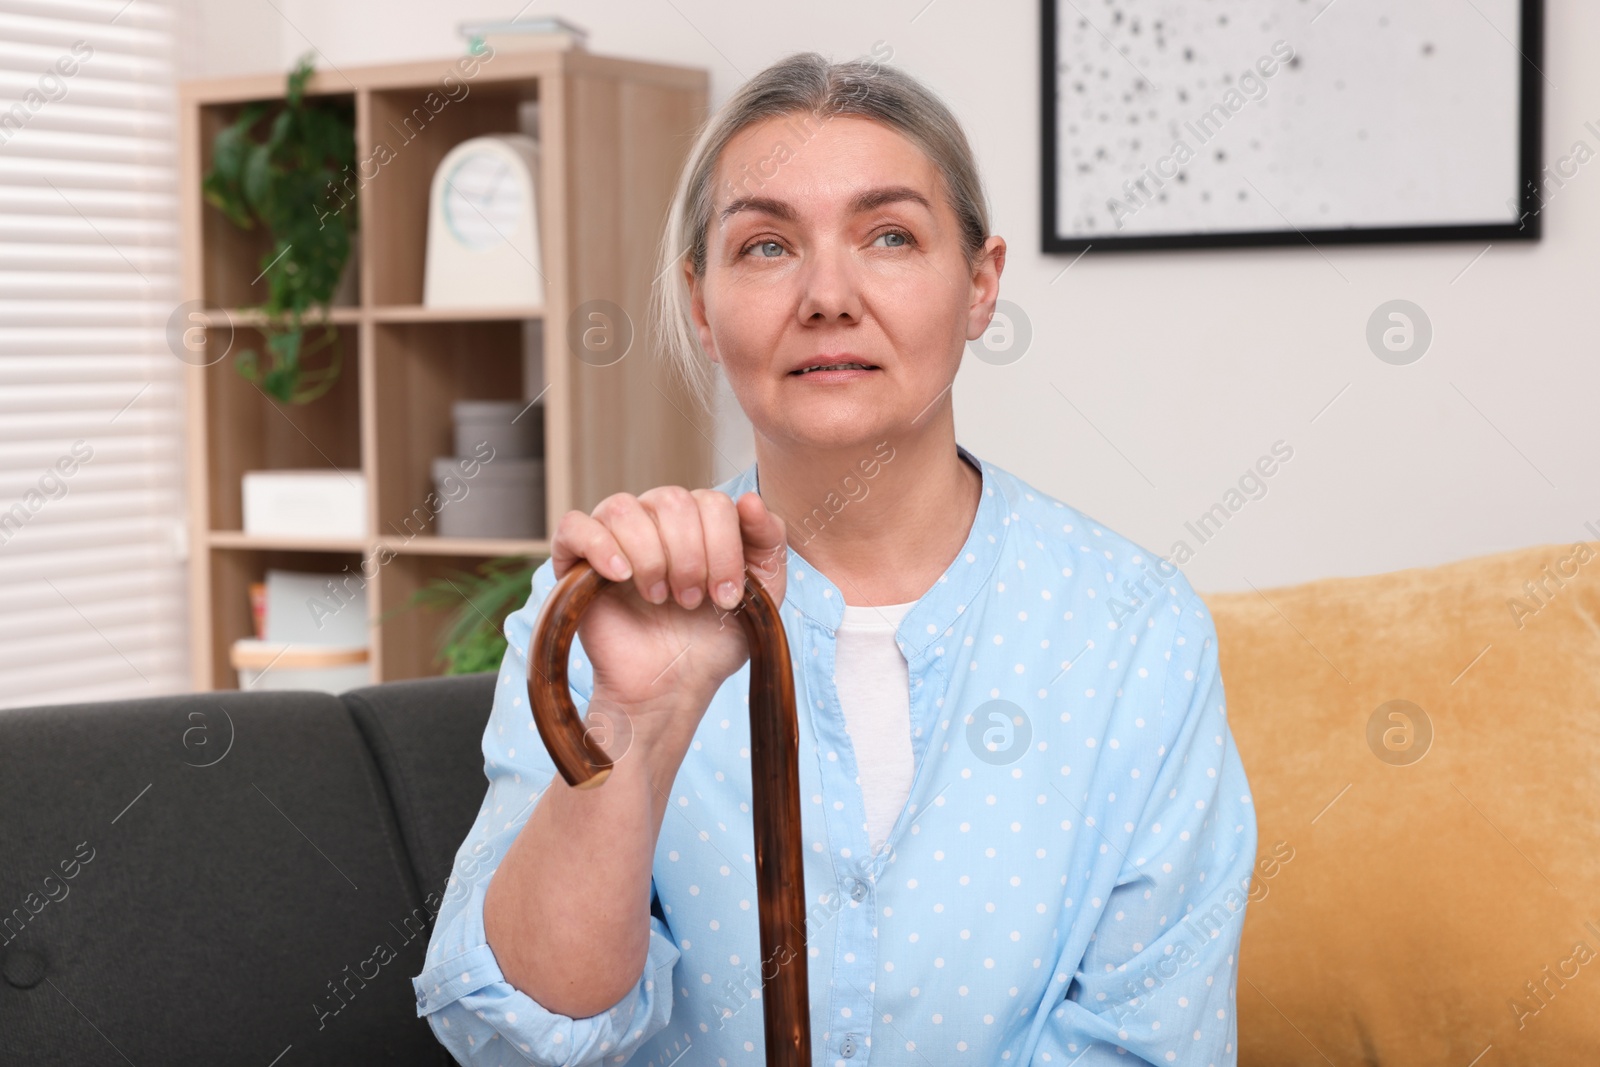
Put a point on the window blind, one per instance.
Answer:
(92, 553)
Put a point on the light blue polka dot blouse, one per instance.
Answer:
(1066, 884)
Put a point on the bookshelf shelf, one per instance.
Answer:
(417, 313)
(613, 133)
(239, 539)
(487, 547)
(253, 317)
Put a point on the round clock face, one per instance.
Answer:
(482, 200)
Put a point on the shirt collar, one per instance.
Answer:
(813, 594)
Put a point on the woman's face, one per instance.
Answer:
(834, 239)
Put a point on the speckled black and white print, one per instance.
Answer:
(1180, 116)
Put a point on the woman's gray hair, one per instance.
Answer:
(808, 86)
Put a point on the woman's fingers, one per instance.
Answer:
(675, 542)
(579, 536)
(635, 531)
(719, 519)
(677, 519)
(765, 540)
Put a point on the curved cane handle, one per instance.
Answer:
(774, 773)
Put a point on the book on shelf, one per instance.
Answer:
(258, 609)
(525, 35)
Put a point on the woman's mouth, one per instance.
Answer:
(830, 371)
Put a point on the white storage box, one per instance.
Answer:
(305, 503)
(321, 609)
(282, 665)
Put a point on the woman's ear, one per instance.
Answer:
(985, 286)
(697, 311)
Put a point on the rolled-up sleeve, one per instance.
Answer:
(476, 1014)
(1158, 978)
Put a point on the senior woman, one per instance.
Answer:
(1028, 834)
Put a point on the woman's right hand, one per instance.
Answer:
(664, 635)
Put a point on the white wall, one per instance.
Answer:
(1192, 364)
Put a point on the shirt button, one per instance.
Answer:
(848, 1049)
(858, 891)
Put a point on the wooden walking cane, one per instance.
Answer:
(774, 772)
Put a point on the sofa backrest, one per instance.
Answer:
(1428, 873)
(224, 877)
(427, 739)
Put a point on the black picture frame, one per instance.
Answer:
(1530, 154)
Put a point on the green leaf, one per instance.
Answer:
(298, 78)
(257, 179)
(225, 197)
(281, 128)
(286, 346)
(227, 153)
(248, 365)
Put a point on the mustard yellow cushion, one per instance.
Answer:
(1415, 900)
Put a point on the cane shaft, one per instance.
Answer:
(775, 783)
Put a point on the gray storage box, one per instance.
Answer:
(505, 498)
(477, 421)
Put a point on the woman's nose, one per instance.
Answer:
(829, 286)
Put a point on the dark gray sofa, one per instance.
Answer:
(244, 878)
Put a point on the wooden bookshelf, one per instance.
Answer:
(613, 134)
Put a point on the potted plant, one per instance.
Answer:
(280, 183)
(473, 639)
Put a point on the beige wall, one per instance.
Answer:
(1190, 364)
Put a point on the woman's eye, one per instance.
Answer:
(896, 239)
(767, 249)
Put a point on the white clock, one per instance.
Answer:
(483, 226)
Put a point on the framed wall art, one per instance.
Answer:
(1177, 124)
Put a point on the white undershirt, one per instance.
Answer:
(875, 695)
